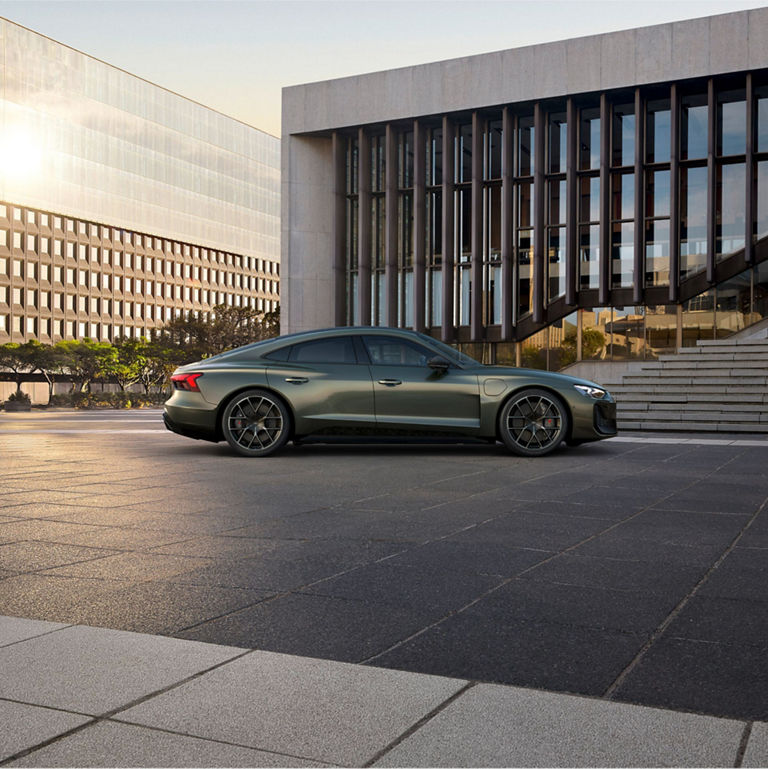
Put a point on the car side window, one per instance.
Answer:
(281, 353)
(390, 351)
(339, 349)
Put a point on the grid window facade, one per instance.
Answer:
(111, 288)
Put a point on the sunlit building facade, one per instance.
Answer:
(122, 204)
(600, 197)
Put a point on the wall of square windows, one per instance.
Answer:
(105, 282)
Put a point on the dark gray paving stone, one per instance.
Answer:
(534, 530)
(613, 545)
(161, 607)
(743, 575)
(313, 626)
(131, 567)
(435, 593)
(716, 497)
(447, 555)
(353, 524)
(289, 565)
(683, 528)
(722, 620)
(601, 608)
(484, 643)
(35, 596)
(675, 580)
(604, 509)
(630, 498)
(32, 556)
(719, 679)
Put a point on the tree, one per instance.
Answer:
(125, 366)
(18, 358)
(85, 361)
(46, 359)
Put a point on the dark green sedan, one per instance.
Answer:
(369, 382)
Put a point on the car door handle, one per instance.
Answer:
(390, 382)
(296, 379)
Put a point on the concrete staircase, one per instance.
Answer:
(717, 386)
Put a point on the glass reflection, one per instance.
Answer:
(693, 221)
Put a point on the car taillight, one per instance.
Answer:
(186, 382)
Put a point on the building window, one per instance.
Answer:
(657, 192)
(556, 204)
(523, 187)
(730, 181)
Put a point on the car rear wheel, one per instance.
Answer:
(533, 423)
(256, 423)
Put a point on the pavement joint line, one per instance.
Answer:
(661, 629)
(261, 749)
(421, 722)
(39, 635)
(746, 734)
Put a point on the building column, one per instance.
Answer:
(674, 195)
(638, 284)
(340, 294)
(364, 229)
(711, 180)
(605, 276)
(507, 226)
(448, 331)
(749, 169)
(572, 208)
(419, 228)
(477, 287)
(391, 276)
(539, 203)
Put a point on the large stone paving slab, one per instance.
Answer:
(338, 713)
(94, 671)
(500, 726)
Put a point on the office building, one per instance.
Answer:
(605, 196)
(123, 204)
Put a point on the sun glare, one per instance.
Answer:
(21, 154)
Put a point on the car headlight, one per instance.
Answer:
(591, 391)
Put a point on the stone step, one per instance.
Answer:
(714, 353)
(729, 343)
(696, 406)
(708, 417)
(706, 362)
(693, 380)
(694, 427)
(757, 398)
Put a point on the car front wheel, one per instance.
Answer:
(256, 423)
(533, 423)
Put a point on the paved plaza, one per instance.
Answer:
(389, 605)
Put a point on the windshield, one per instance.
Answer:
(451, 352)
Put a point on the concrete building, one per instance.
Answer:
(123, 204)
(605, 196)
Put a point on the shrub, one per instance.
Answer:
(19, 397)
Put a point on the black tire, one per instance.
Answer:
(256, 423)
(533, 423)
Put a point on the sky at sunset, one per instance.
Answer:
(236, 55)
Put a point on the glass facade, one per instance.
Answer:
(86, 148)
(638, 217)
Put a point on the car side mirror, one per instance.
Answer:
(439, 364)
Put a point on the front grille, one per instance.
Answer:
(605, 418)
